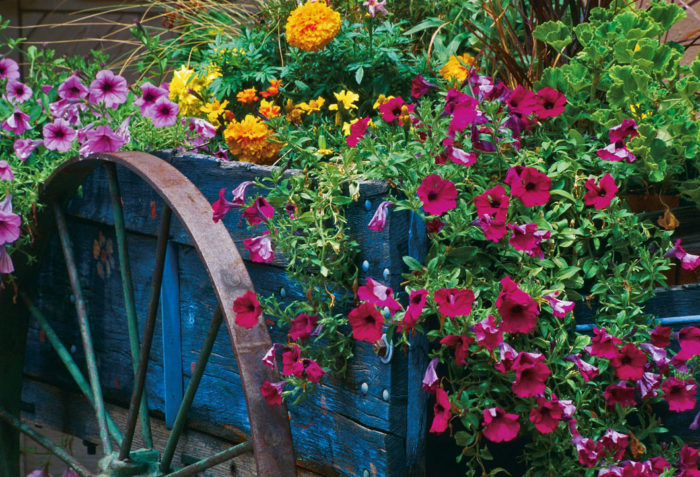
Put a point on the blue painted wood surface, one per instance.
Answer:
(172, 338)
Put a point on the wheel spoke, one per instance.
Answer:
(192, 387)
(46, 443)
(209, 462)
(69, 363)
(149, 326)
(128, 288)
(84, 327)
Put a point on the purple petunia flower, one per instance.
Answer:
(378, 221)
(17, 92)
(123, 130)
(46, 88)
(58, 135)
(6, 265)
(149, 95)
(6, 173)
(164, 112)
(103, 139)
(109, 89)
(24, 147)
(374, 6)
(9, 69)
(430, 378)
(9, 222)
(18, 122)
(72, 89)
(202, 128)
(222, 153)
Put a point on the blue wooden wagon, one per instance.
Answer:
(149, 330)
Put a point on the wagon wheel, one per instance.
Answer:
(270, 440)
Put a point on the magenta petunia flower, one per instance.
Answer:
(615, 443)
(527, 238)
(688, 261)
(239, 193)
(6, 173)
(72, 88)
(430, 378)
(290, 358)
(531, 373)
(494, 202)
(437, 194)
(546, 415)
(680, 394)
(258, 212)
(378, 221)
(6, 265)
(222, 153)
(102, 139)
(221, 206)
(500, 426)
(529, 185)
(17, 122)
(549, 103)
(522, 101)
(17, 92)
(507, 357)
(628, 127)
(658, 355)
(442, 411)
(587, 450)
(420, 87)
(312, 371)
(24, 147)
(616, 151)
(108, 89)
(689, 457)
(434, 226)
(260, 248)
(603, 344)
(487, 333)
(378, 295)
(272, 392)
(689, 339)
(461, 345)
(391, 110)
(58, 135)
(9, 69)
(9, 222)
(454, 302)
(269, 358)
(416, 303)
(293, 365)
(247, 309)
(453, 98)
(588, 371)
(460, 156)
(629, 362)
(202, 129)
(661, 336)
(302, 326)
(357, 131)
(164, 112)
(366, 323)
(149, 95)
(649, 385)
(600, 195)
(619, 394)
(463, 115)
(517, 309)
(560, 308)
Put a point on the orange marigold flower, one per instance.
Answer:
(312, 26)
(273, 89)
(249, 141)
(247, 96)
(455, 69)
(269, 109)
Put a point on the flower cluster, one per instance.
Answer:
(312, 26)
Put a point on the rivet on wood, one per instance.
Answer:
(368, 204)
(386, 311)
(365, 473)
(386, 274)
(365, 266)
(385, 395)
(73, 349)
(364, 388)
(283, 292)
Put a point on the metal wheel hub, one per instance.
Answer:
(141, 463)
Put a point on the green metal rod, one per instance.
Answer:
(219, 458)
(147, 340)
(192, 387)
(46, 443)
(128, 288)
(84, 327)
(69, 362)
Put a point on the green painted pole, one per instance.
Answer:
(216, 459)
(69, 362)
(81, 309)
(192, 386)
(128, 288)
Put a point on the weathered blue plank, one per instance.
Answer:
(172, 338)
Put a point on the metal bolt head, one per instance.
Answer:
(368, 204)
(283, 292)
(365, 266)
(386, 274)
(364, 388)
(365, 473)
(386, 395)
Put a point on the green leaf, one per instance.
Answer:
(666, 14)
(553, 33)
(359, 74)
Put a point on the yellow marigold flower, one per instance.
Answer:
(292, 113)
(247, 96)
(273, 89)
(213, 73)
(381, 100)
(248, 140)
(178, 85)
(213, 110)
(185, 81)
(325, 152)
(346, 98)
(269, 109)
(312, 26)
(313, 105)
(455, 69)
